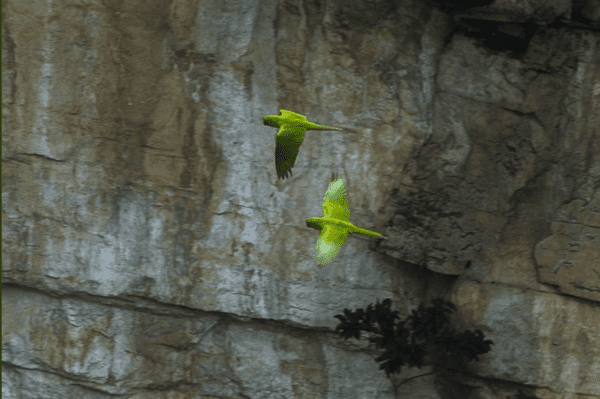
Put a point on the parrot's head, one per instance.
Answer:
(271, 120)
(315, 223)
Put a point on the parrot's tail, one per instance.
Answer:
(323, 127)
(365, 232)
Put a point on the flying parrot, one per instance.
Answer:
(335, 225)
(291, 133)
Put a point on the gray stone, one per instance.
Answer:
(149, 250)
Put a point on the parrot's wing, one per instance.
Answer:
(335, 202)
(292, 115)
(329, 243)
(287, 144)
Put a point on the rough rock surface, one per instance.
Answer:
(149, 250)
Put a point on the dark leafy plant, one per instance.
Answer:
(425, 332)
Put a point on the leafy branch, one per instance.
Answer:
(425, 332)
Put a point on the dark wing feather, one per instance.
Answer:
(287, 144)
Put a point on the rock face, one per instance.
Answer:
(149, 250)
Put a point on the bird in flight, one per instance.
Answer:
(287, 142)
(335, 224)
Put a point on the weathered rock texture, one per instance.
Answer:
(149, 250)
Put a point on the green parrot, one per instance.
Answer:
(335, 225)
(291, 133)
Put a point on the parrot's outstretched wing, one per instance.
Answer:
(287, 144)
(335, 202)
(292, 115)
(329, 243)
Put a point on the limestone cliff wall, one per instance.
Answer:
(149, 250)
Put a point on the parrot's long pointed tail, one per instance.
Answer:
(323, 127)
(365, 232)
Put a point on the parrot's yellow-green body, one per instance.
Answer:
(287, 142)
(335, 225)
